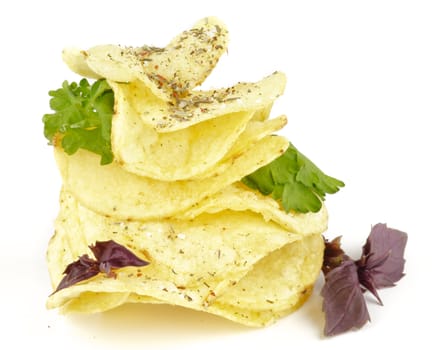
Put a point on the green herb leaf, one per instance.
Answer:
(295, 181)
(82, 118)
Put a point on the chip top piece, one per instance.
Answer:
(169, 72)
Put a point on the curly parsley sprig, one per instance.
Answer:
(82, 118)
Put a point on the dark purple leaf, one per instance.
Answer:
(109, 255)
(367, 282)
(382, 262)
(334, 256)
(343, 301)
(78, 271)
(113, 255)
(381, 265)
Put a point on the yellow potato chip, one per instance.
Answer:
(277, 285)
(199, 106)
(110, 190)
(238, 197)
(234, 264)
(255, 131)
(169, 72)
(190, 57)
(176, 155)
(76, 60)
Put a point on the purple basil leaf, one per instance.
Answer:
(78, 271)
(334, 256)
(108, 254)
(383, 256)
(367, 282)
(343, 301)
(113, 255)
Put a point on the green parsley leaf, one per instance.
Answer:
(295, 181)
(82, 118)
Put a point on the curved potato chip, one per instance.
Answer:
(114, 63)
(110, 190)
(176, 155)
(238, 197)
(255, 131)
(76, 60)
(233, 264)
(277, 285)
(263, 114)
(190, 57)
(199, 106)
(169, 72)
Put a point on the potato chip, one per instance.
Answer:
(75, 59)
(176, 155)
(238, 197)
(199, 106)
(255, 131)
(185, 153)
(110, 190)
(190, 57)
(277, 285)
(234, 264)
(170, 71)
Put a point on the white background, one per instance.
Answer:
(366, 101)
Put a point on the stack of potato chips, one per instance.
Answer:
(173, 193)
